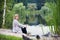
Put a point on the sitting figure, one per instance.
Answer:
(17, 27)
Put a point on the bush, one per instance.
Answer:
(1, 12)
(9, 19)
(47, 13)
(5, 37)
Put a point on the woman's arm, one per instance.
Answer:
(20, 25)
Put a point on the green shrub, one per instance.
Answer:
(5, 37)
(9, 19)
(57, 17)
(47, 13)
(1, 12)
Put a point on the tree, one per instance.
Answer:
(47, 13)
(4, 12)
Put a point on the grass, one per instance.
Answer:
(6, 37)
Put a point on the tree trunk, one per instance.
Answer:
(4, 13)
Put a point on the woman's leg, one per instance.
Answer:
(24, 30)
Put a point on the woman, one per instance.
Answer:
(16, 25)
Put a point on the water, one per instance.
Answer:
(38, 29)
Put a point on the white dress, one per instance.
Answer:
(17, 26)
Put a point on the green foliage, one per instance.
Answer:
(6, 37)
(47, 13)
(1, 4)
(57, 17)
(9, 15)
(1, 12)
(55, 6)
(9, 19)
(1, 18)
(22, 11)
(9, 4)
